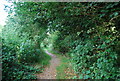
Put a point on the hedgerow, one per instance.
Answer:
(89, 33)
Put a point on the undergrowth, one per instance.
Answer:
(64, 70)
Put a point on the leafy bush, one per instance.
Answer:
(19, 53)
(89, 32)
(12, 68)
(96, 58)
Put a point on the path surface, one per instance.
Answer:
(50, 71)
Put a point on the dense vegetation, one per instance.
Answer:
(21, 47)
(88, 33)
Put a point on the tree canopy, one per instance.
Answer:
(88, 33)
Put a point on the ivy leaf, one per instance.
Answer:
(87, 72)
(102, 15)
(115, 13)
(86, 76)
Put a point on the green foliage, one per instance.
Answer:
(12, 68)
(62, 67)
(87, 32)
(96, 61)
(21, 40)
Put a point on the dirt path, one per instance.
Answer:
(50, 71)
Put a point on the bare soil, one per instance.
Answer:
(50, 71)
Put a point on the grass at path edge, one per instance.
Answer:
(65, 69)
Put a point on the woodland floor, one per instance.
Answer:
(50, 71)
